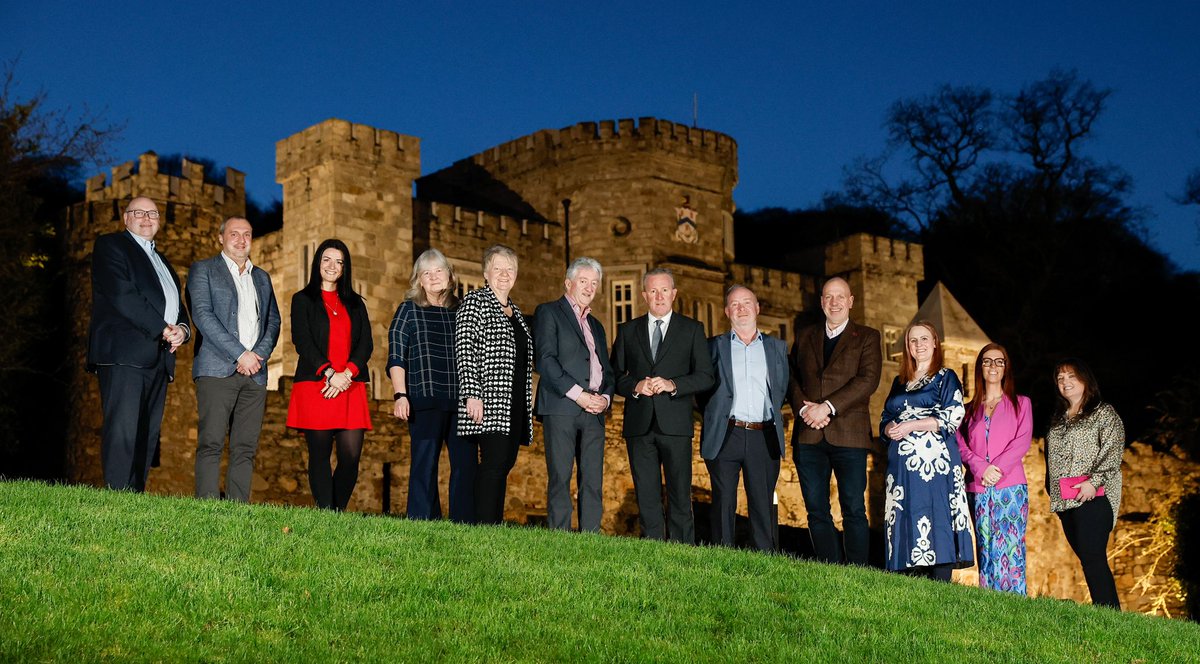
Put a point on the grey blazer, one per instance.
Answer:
(720, 401)
(561, 355)
(214, 306)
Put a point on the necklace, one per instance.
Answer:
(331, 309)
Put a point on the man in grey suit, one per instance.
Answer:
(661, 362)
(743, 429)
(237, 319)
(574, 391)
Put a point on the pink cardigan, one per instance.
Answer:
(1011, 434)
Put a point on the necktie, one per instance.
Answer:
(656, 339)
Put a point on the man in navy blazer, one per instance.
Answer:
(661, 363)
(574, 392)
(743, 431)
(237, 322)
(138, 322)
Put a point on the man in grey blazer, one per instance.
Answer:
(574, 391)
(743, 428)
(661, 363)
(835, 369)
(237, 320)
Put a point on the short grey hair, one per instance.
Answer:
(582, 262)
(729, 291)
(495, 250)
(221, 231)
(655, 272)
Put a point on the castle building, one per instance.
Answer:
(632, 194)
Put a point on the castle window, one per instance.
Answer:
(712, 321)
(468, 283)
(622, 301)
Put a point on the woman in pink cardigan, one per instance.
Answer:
(993, 440)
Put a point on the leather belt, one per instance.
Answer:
(753, 426)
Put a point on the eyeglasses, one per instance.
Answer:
(988, 362)
(138, 214)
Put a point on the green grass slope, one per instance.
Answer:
(91, 575)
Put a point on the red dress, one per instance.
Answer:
(308, 408)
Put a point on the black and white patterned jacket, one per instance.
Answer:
(485, 352)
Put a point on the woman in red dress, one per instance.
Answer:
(332, 335)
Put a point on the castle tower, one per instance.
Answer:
(351, 182)
(192, 210)
(631, 194)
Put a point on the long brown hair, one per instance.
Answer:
(908, 367)
(1008, 384)
(1091, 389)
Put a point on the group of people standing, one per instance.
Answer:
(462, 372)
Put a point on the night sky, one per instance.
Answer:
(803, 89)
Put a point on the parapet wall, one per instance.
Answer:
(346, 141)
(190, 188)
(597, 138)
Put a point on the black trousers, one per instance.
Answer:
(563, 455)
(233, 404)
(1087, 528)
(427, 429)
(497, 455)
(651, 458)
(132, 400)
(814, 466)
(754, 455)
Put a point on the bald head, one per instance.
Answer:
(836, 301)
(141, 218)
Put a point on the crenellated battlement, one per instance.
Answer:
(861, 249)
(340, 140)
(188, 189)
(494, 227)
(608, 136)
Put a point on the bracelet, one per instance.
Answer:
(397, 396)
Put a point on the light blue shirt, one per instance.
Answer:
(751, 401)
(170, 292)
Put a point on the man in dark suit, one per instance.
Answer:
(237, 323)
(661, 361)
(138, 322)
(743, 427)
(835, 370)
(575, 389)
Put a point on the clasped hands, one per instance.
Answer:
(816, 415)
(249, 363)
(592, 403)
(174, 335)
(337, 383)
(652, 385)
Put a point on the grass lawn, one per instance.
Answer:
(92, 575)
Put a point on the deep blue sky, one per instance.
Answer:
(803, 89)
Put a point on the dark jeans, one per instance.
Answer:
(233, 404)
(564, 454)
(497, 455)
(331, 489)
(814, 466)
(651, 457)
(754, 455)
(1087, 528)
(428, 429)
(132, 400)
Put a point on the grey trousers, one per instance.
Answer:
(563, 454)
(232, 405)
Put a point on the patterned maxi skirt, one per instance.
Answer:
(1000, 519)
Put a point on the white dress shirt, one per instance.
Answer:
(247, 312)
(170, 291)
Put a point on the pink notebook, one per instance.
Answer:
(1066, 487)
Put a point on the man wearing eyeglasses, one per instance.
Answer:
(138, 322)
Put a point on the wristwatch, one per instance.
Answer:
(329, 372)
(398, 395)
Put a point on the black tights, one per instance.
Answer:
(331, 489)
(941, 572)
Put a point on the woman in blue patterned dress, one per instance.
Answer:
(925, 512)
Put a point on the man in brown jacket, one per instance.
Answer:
(835, 369)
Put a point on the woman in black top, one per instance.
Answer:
(494, 351)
